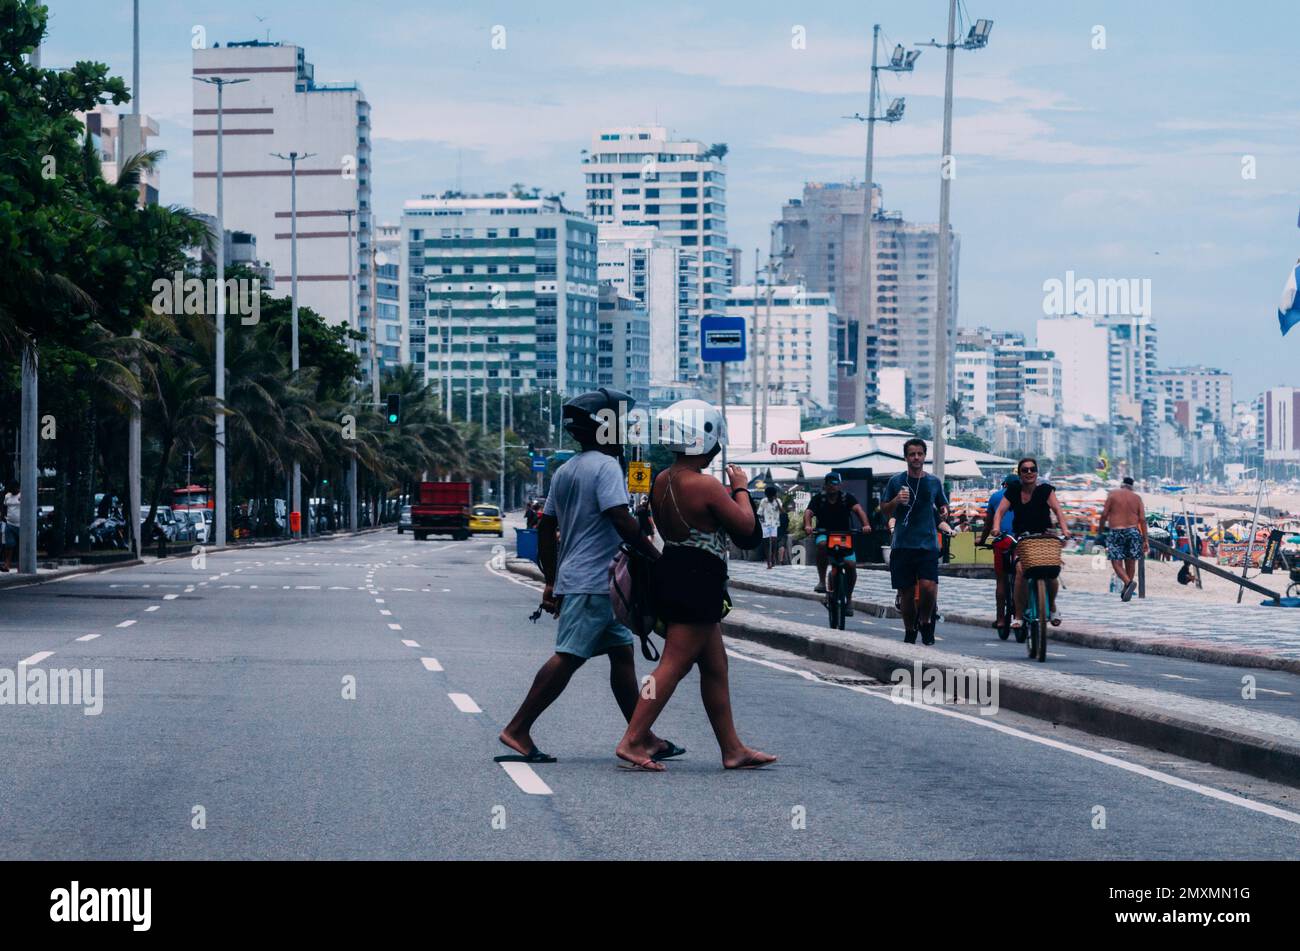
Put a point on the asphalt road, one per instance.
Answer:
(226, 695)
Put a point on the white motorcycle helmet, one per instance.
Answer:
(692, 427)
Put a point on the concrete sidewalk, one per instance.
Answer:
(1239, 635)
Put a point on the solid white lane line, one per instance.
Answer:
(126, 623)
(41, 655)
(1109, 663)
(431, 663)
(170, 597)
(1279, 693)
(410, 643)
(394, 627)
(464, 703)
(151, 608)
(1181, 677)
(88, 637)
(526, 779)
(976, 720)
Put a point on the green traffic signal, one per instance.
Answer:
(394, 408)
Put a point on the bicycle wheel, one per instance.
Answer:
(833, 598)
(1007, 608)
(1293, 591)
(841, 597)
(1044, 612)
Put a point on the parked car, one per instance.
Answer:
(404, 520)
(200, 522)
(485, 520)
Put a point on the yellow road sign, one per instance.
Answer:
(638, 477)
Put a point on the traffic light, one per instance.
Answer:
(394, 408)
(532, 450)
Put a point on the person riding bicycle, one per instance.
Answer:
(1002, 547)
(834, 510)
(916, 501)
(1032, 507)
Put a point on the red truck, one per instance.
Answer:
(441, 508)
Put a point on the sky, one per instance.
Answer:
(1169, 155)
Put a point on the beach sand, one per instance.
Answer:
(1093, 573)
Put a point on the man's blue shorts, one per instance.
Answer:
(908, 565)
(587, 626)
(1124, 544)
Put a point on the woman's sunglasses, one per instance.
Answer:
(1027, 470)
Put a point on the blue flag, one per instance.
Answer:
(1288, 312)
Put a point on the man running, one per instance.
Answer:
(912, 499)
(834, 510)
(1002, 547)
(588, 506)
(1127, 540)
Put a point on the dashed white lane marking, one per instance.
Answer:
(431, 663)
(252, 586)
(379, 600)
(215, 578)
(1109, 663)
(229, 586)
(41, 655)
(127, 623)
(394, 627)
(410, 643)
(170, 597)
(526, 779)
(203, 584)
(339, 587)
(1277, 693)
(88, 637)
(151, 608)
(385, 612)
(464, 703)
(306, 587)
(1181, 677)
(446, 590)
(1207, 791)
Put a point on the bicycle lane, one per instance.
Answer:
(1276, 692)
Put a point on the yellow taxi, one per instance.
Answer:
(485, 520)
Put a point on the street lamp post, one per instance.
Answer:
(292, 158)
(352, 325)
(900, 62)
(977, 38)
(220, 503)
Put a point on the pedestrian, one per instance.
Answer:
(531, 516)
(914, 498)
(695, 513)
(588, 507)
(769, 513)
(1126, 541)
(12, 501)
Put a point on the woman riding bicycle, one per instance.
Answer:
(1032, 506)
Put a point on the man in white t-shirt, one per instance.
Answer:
(769, 516)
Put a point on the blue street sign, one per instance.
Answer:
(722, 339)
(539, 463)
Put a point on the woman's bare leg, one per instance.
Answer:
(715, 691)
(682, 645)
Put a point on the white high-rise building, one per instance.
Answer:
(1083, 349)
(637, 175)
(639, 262)
(1193, 389)
(282, 109)
(800, 365)
(504, 289)
(1279, 424)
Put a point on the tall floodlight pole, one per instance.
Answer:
(133, 425)
(27, 506)
(352, 325)
(901, 62)
(220, 503)
(292, 158)
(977, 38)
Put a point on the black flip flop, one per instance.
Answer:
(534, 756)
(672, 750)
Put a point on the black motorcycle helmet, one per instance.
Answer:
(587, 417)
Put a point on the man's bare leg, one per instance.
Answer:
(549, 683)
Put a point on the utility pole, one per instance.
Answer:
(469, 350)
(292, 158)
(27, 507)
(501, 484)
(133, 425)
(753, 367)
(221, 503)
(978, 38)
(375, 261)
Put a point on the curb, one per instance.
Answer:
(24, 581)
(1149, 718)
(1166, 646)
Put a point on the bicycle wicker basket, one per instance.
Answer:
(1039, 552)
